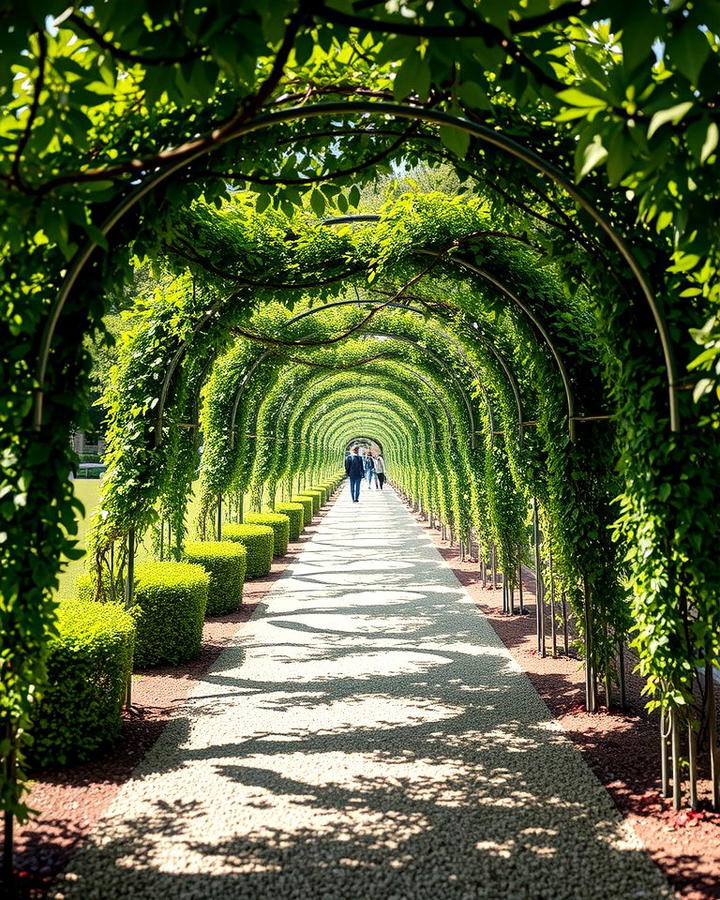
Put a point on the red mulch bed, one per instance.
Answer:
(71, 799)
(621, 748)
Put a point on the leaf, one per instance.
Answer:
(688, 51)
(711, 142)
(575, 97)
(413, 77)
(639, 31)
(456, 141)
(704, 386)
(317, 202)
(474, 96)
(620, 157)
(672, 114)
(592, 156)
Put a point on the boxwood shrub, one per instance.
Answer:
(89, 664)
(316, 498)
(323, 492)
(280, 525)
(307, 505)
(169, 610)
(296, 514)
(225, 563)
(258, 540)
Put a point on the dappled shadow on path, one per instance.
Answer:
(366, 738)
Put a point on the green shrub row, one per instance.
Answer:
(168, 608)
(316, 497)
(280, 525)
(259, 542)
(307, 505)
(91, 657)
(225, 563)
(296, 517)
(89, 666)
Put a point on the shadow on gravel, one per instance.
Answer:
(371, 738)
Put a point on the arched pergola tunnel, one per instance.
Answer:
(548, 312)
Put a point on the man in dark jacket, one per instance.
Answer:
(355, 470)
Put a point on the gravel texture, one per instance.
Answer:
(620, 747)
(367, 735)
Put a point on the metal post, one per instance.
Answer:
(8, 861)
(590, 696)
(664, 775)
(241, 508)
(511, 593)
(712, 735)
(539, 608)
(621, 675)
(692, 765)
(219, 517)
(553, 625)
(566, 637)
(675, 749)
(494, 568)
(520, 590)
(162, 535)
(130, 579)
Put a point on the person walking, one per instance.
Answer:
(355, 470)
(379, 471)
(369, 468)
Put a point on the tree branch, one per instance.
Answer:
(491, 34)
(247, 110)
(127, 56)
(34, 106)
(311, 179)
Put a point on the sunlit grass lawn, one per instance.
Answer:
(87, 490)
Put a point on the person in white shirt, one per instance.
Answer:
(379, 472)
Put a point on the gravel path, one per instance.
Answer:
(366, 735)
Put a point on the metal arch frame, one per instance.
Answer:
(450, 338)
(461, 392)
(305, 313)
(483, 133)
(446, 336)
(529, 313)
(567, 386)
(366, 437)
(393, 362)
(422, 418)
(329, 426)
(403, 401)
(313, 385)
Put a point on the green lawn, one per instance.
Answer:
(87, 490)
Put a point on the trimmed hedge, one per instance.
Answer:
(89, 664)
(169, 610)
(316, 498)
(280, 525)
(225, 563)
(296, 514)
(307, 505)
(323, 492)
(258, 540)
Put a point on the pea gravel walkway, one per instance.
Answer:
(366, 735)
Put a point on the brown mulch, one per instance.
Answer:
(622, 748)
(69, 800)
